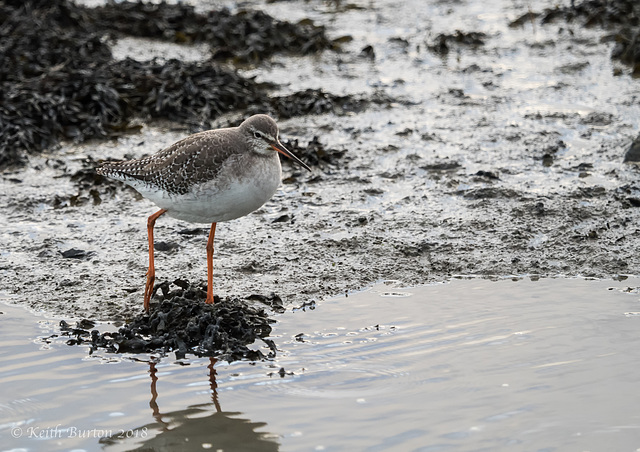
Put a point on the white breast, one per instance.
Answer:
(237, 191)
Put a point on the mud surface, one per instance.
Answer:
(446, 138)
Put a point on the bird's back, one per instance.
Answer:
(175, 169)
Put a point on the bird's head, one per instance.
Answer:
(263, 135)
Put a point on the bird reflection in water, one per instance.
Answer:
(197, 426)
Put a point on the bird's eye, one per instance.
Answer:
(257, 134)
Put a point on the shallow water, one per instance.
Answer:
(465, 365)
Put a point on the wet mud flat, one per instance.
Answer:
(488, 142)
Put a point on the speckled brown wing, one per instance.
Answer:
(195, 159)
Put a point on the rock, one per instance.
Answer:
(633, 153)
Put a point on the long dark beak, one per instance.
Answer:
(284, 151)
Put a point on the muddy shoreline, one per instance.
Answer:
(502, 156)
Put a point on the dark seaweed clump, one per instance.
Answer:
(315, 101)
(602, 13)
(245, 37)
(621, 15)
(58, 79)
(314, 153)
(627, 49)
(443, 43)
(183, 324)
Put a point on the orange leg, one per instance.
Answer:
(210, 264)
(151, 274)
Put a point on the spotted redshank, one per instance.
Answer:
(209, 177)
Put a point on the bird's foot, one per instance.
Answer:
(210, 298)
